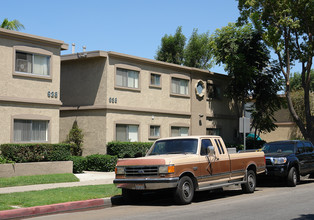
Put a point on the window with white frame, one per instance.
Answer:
(30, 130)
(154, 131)
(154, 79)
(127, 132)
(32, 63)
(180, 86)
(212, 131)
(127, 78)
(179, 131)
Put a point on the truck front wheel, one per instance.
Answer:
(249, 186)
(184, 192)
(292, 178)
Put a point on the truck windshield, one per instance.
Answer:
(278, 148)
(177, 146)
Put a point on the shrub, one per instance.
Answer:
(79, 164)
(3, 160)
(21, 153)
(100, 162)
(128, 149)
(75, 138)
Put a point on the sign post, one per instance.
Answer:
(244, 127)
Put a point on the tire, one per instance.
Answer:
(184, 192)
(249, 186)
(292, 178)
(311, 176)
(131, 196)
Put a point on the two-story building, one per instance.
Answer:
(119, 97)
(29, 88)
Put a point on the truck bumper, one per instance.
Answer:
(146, 184)
(279, 171)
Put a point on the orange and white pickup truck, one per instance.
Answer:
(188, 164)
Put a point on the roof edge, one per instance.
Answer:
(20, 35)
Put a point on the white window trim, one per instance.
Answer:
(154, 137)
(127, 67)
(33, 50)
(180, 77)
(33, 118)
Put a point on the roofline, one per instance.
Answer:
(30, 37)
(99, 53)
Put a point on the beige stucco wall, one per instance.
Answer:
(83, 82)
(93, 125)
(88, 85)
(25, 95)
(26, 86)
(146, 97)
(9, 111)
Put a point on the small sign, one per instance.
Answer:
(244, 125)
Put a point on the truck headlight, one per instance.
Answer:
(278, 160)
(120, 170)
(166, 169)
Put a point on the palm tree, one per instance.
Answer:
(12, 25)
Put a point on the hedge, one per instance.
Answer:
(21, 153)
(128, 149)
(79, 164)
(100, 162)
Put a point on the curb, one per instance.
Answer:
(55, 208)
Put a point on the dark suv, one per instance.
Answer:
(289, 159)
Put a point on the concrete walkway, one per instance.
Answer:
(86, 178)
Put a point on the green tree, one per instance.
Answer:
(296, 82)
(11, 25)
(172, 48)
(198, 52)
(246, 60)
(287, 27)
(75, 137)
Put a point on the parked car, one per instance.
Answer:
(289, 160)
(188, 164)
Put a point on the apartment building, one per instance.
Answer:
(29, 88)
(119, 97)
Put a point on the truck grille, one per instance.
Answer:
(141, 171)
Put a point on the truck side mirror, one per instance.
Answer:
(210, 151)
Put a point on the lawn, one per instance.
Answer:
(38, 179)
(59, 195)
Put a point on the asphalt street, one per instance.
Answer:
(269, 201)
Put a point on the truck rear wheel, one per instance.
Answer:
(249, 186)
(184, 192)
(292, 178)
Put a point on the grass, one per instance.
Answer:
(37, 179)
(58, 195)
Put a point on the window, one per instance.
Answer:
(30, 130)
(205, 144)
(154, 131)
(127, 78)
(32, 63)
(213, 131)
(127, 133)
(154, 79)
(179, 131)
(180, 86)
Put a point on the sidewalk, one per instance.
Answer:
(86, 178)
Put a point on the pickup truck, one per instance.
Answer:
(188, 164)
(289, 160)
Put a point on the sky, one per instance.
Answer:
(133, 27)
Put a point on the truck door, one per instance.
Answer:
(215, 169)
(301, 155)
